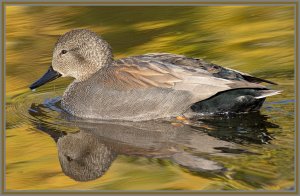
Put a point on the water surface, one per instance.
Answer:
(239, 152)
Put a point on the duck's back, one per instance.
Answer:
(162, 85)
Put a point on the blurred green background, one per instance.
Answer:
(254, 39)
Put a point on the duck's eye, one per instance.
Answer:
(69, 158)
(64, 51)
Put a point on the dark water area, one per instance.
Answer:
(47, 149)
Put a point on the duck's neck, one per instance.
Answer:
(90, 72)
(92, 69)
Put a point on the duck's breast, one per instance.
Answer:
(95, 100)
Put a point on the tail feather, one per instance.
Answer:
(267, 93)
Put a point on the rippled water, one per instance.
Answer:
(252, 151)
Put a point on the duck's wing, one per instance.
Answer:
(215, 70)
(177, 72)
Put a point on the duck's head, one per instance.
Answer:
(79, 54)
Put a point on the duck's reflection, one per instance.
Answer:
(84, 157)
(88, 153)
(239, 128)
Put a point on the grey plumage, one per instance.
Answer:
(147, 86)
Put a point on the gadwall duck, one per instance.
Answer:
(149, 86)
